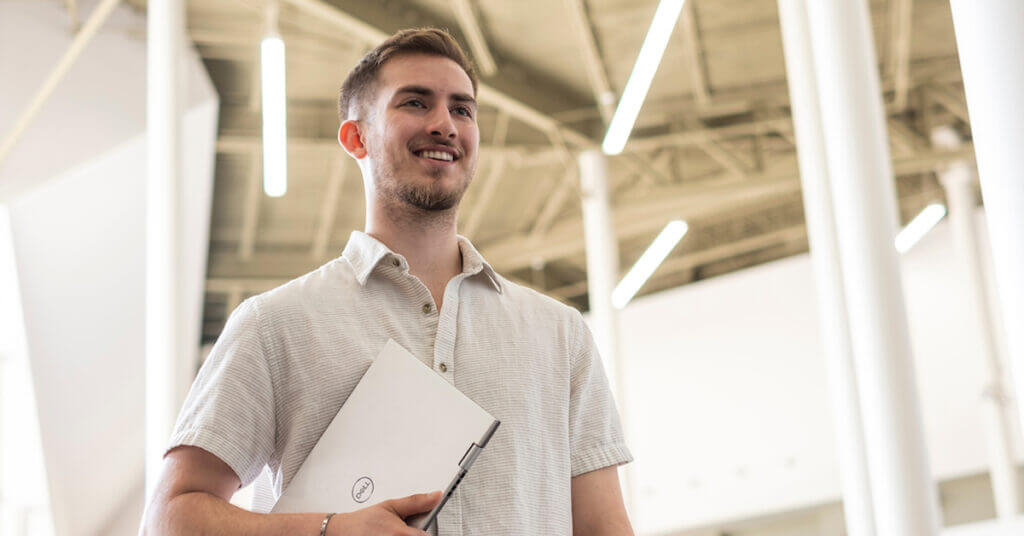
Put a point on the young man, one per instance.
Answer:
(288, 359)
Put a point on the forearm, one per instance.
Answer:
(203, 514)
(609, 526)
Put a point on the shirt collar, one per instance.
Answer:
(365, 252)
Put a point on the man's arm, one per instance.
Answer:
(195, 487)
(597, 507)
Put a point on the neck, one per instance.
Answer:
(426, 239)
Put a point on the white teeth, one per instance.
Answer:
(437, 155)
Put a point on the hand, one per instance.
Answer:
(384, 519)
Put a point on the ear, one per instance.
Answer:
(351, 140)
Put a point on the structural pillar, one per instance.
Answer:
(821, 234)
(990, 41)
(958, 181)
(602, 253)
(860, 169)
(164, 370)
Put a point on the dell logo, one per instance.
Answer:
(362, 490)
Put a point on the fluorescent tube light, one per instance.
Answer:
(919, 226)
(275, 150)
(639, 82)
(648, 262)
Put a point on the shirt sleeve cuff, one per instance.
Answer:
(596, 458)
(213, 442)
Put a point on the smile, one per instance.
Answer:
(436, 155)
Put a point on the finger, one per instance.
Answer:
(410, 531)
(413, 504)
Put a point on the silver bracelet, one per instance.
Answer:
(323, 526)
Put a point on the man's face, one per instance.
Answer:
(421, 134)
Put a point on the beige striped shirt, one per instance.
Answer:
(288, 359)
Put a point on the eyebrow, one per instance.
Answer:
(427, 92)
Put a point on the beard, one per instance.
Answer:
(430, 197)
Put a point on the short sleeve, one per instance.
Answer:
(229, 410)
(595, 431)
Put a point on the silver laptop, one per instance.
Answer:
(403, 430)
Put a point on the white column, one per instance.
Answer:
(602, 275)
(163, 118)
(860, 168)
(821, 234)
(602, 252)
(990, 40)
(958, 181)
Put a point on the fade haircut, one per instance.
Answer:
(361, 82)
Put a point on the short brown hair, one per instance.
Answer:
(360, 82)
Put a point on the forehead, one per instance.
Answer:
(438, 73)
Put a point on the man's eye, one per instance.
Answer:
(464, 111)
(415, 102)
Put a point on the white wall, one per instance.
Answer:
(24, 501)
(728, 411)
(100, 103)
(75, 191)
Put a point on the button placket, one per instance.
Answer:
(444, 343)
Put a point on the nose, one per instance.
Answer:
(441, 123)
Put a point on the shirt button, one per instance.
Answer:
(443, 367)
(427, 308)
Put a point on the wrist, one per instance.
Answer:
(325, 523)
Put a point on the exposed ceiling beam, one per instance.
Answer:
(900, 19)
(474, 34)
(760, 96)
(553, 204)
(490, 181)
(697, 136)
(695, 259)
(329, 208)
(904, 140)
(82, 38)
(953, 101)
(76, 22)
(564, 186)
(725, 158)
(644, 167)
(643, 215)
(530, 100)
(599, 84)
(635, 217)
(251, 210)
(692, 51)
(784, 133)
(239, 143)
(300, 46)
(513, 154)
